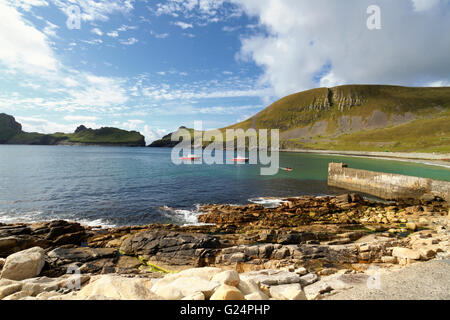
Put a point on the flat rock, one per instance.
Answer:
(176, 287)
(271, 277)
(287, 292)
(405, 253)
(64, 255)
(308, 279)
(117, 287)
(176, 248)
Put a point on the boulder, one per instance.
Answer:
(229, 277)
(257, 296)
(411, 226)
(197, 296)
(248, 286)
(178, 286)
(24, 264)
(287, 292)
(116, 287)
(226, 292)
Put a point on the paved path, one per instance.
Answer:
(421, 281)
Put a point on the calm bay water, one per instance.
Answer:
(124, 186)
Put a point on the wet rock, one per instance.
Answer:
(65, 255)
(24, 264)
(173, 247)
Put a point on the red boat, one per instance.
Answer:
(190, 157)
(287, 169)
(240, 160)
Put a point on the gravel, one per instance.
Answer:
(420, 281)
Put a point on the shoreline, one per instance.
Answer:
(441, 160)
(307, 248)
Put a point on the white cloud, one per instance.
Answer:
(97, 31)
(308, 43)
(113, 34)
(96, 10)
(36, 124)
(439, 83)
(423, 5)
(125, 28)
(50, 29)
(159, 35)
(80, 118)
(129, 41)
(27, 5)
(22, 46)
(153, 134)
(183, 25)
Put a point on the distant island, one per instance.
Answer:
(367, 118)
(11, 133)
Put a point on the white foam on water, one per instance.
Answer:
(187, 217)
(39, 216)
(268, 202)
(94, 223)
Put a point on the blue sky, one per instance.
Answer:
(154, 65)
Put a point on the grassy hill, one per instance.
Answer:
(357, 118)
(11, 133)
(361, 118)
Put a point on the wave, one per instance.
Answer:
(268, 202)
(184, 217)
(39, 216)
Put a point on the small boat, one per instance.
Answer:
(287, 169)
(190, 157)
(240, 159)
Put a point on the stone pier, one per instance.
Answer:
(385, 185)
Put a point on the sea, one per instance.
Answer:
(119, 186)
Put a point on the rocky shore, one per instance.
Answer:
(306, 248)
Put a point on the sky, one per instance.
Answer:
(152, 66)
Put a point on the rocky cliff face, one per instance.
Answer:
(8, 127)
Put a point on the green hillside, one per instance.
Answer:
(357, 118)
(11, 133)
(361, 118)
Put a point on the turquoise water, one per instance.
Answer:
(123, 186)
